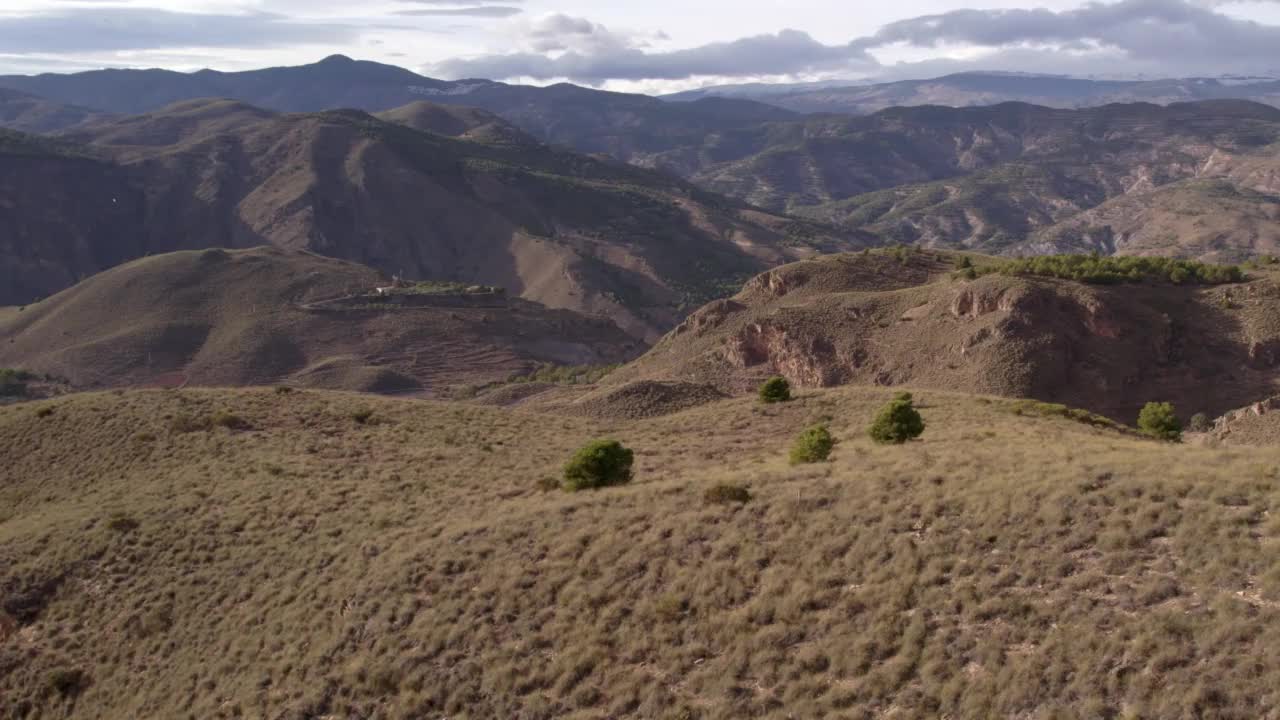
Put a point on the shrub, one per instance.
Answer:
(897, 422)
(122, 523)
(775, 389)
(725, 493)
(66, 682)
(1199, 423)
(1158, 420)
(362, 416)
(812, 446)
(230, 421)
(283, 390)
(598, 464)
(189, 424)
(13, 383)
(965, 262)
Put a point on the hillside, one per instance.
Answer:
(29, 113)
(903, 318)
(409, 566)
(255, 317)
(978, 88)
(551, 226)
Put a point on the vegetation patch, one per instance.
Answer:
(812, 446)
(1110, 270)
(726, 494)
(1046, 409)
(602, 463)
(1159, 420)
(775, 390)
(897, 422)
(13, 382)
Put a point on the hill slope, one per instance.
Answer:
(251, 317)
(1004, 567)
(562, 229)
(878, 319)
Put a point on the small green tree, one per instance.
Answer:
(1199, 423)
(897, 422)
(812, 446)
(774, 390)
(1159, 420)
(965, 262)
(598, 464)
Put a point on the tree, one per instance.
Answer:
(1200, 423)
(897, 422)
(775, 389)
(598, 464)
(812, 446)
(1159, 420)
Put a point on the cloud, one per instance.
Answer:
(93, 29)
(1189, 35)
(590, 53)
(492, 11)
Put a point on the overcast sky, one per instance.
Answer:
(652, 45)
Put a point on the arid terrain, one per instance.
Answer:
(246, 553)
(267, 316)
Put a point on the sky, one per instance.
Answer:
(653, 45)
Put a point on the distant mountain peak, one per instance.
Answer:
(336, 60)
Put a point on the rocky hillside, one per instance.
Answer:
(268, 316)
(902, 318)
(490, 208)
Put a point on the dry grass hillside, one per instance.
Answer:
(249, 554)
(905, 318)
(251, 317)
(487, 207)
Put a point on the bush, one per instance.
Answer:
(66, 681)
(1158, 420)
(362, 416)
(812, 446)
(13, 383)
(725, 494)
(897, 422)
(775, 389)
(1199, 423)
(230, 421)
(602, 463)
(965, 262)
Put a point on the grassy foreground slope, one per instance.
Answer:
(219, 554)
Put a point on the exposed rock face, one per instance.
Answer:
(875, 319)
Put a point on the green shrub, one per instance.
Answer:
(602, 463)
(362, 416)
(775, 389)
(965, 262)
(812, 446)
(1126, 269)
(1199, 423)
(13, 383)
(1159, 420)
(725, 493)
(897, 422)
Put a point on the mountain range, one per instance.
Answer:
(991, 88)
(466, 198)
(1066, 174)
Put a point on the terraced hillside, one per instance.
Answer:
(224, 554)
(258, 317)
